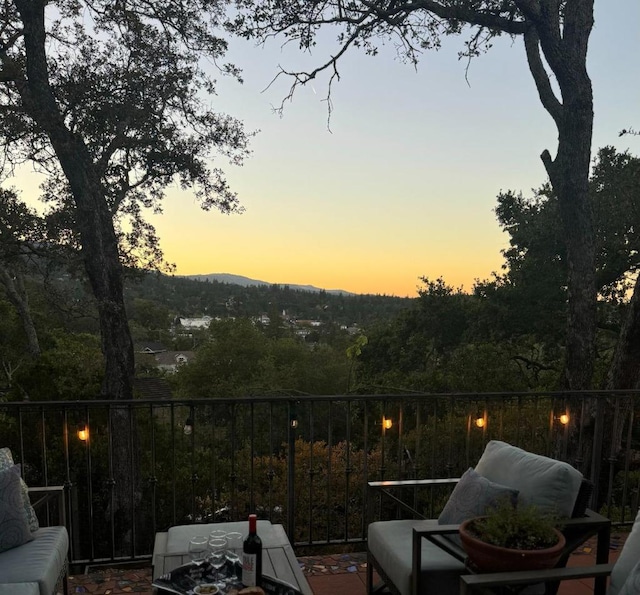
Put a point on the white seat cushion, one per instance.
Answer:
(391, 544)
(19, 589)
(40, 561)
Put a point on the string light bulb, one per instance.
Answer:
(83, 432)
(188, 427)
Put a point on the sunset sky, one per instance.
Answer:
(405, 182)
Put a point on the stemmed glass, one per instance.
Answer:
(217, 553)
(217, 534)
(198, 548)
(234, 548)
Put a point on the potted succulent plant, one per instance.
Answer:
(512, 538)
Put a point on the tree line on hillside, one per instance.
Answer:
(190, 298)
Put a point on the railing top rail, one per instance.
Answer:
(410, 396)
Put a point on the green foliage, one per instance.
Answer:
(239, 359)
(520, 528)
(325, 488)
(71, 368)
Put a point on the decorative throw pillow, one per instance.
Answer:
(472, 497)
(14, 526)
(6, 462)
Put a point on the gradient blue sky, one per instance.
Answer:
(404, 184)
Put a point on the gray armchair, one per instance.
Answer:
(418, 556)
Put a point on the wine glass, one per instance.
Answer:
(198, 548)
(234, 548)
(217, 534)
(217, 554)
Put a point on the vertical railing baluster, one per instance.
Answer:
(153, 478)
(311, 472)
(172, 474)
(233, 476)
(627, 463)
(194, 471)
(252, 500)
(43, 443)
(347, 472)
(89, 487)
(270, 472)
(291, 471)
(215, 426)
(111, 482)
(365, 452)
(613, 454)
(67, 486)
(330, 508)
(134, 465)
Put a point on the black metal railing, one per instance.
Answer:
(134, 468)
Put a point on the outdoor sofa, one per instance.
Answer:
(33, 558)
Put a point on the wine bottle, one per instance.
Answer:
(252, 556)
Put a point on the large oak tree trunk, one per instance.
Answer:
(565, 52)
(93, 218)
(99, 250)
(17, 294)
(569, 174)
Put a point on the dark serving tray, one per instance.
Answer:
(185, 578)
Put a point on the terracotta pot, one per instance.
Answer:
(492, 558)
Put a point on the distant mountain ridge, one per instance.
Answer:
(247, 282)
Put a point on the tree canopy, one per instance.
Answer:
(112, 102)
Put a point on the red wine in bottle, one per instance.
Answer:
(252, 556)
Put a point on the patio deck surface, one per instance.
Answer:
(329, 574)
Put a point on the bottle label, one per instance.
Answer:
(249, 565)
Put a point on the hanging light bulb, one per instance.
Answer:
(188, 427)
(83, 432)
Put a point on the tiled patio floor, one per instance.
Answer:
(331, 574)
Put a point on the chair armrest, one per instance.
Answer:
(411, 483)
(42, 496)
(480, 583)
(384, 488)
(437, 536)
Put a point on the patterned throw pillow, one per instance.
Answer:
(472, 496)
(14, 527)
(6, 462)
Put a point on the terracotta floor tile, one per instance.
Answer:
(331, 574)
(337, 584)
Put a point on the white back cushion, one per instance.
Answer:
(550, 485)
